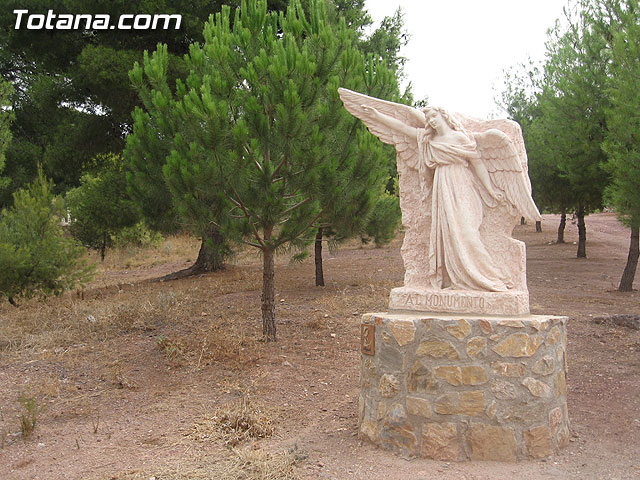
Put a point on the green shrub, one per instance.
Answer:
(138, 235)
(35, 255)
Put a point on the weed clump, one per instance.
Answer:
(29, 414)
(236, 423)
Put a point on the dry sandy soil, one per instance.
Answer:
(131, 378)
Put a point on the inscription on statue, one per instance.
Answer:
(436, 300)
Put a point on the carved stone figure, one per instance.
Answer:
(463, 187)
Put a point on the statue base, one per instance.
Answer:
(464, 387)
(514, 302)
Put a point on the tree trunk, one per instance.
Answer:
(318, 259)
(563, 223)
(213, 251)
(104, 246)
(268, 302)
(538, 226)
(626, 283)
(582, 233)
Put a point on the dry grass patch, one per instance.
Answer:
(242, 464)
(229, 342)
(173, 249)
(251, 464)
(236, 423)
(67, 320)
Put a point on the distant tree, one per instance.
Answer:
(354, 14)
(519, 99)
(353, 200)
(36, 258)
(572, 114)
(386, 41)
(621, 19)
(100, 208)
(356, 171)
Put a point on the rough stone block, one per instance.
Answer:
(461, 330)
(555, 419)
(504, 390)
(419, 406)
(403, 331)
(436, 348)
(477, 347)
(440, 441)
(390, 357)
(397, 434)
(523, 413)
(451, 374)
(545, 366)
(554, 336)
(485, 326)
(388, 386)
(460, 403)
(538, 442)
(518, 345)
(474, 375)
(560, 383)
(369, 430)
(511, 323)
(506, 369)
(492, 443)
(563, 436)
(421, 379)
(537, 388)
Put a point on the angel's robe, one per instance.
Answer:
(457, 257)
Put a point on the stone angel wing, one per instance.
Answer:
(406, 147)
(505, 170)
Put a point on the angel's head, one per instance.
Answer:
(435, 116)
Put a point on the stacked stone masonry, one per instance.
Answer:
(462, 387)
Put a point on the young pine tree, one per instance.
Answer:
(100, 208)
(36, 258)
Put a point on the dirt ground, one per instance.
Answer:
(128, 378)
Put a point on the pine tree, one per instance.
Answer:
(354, 200)
(36, 258)
(571, 122)
(100, 208)
(356, 169)
(623, 122)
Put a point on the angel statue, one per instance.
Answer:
(463, 188)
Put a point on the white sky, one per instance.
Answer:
(459, 48)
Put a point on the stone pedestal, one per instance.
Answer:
(464, 387)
